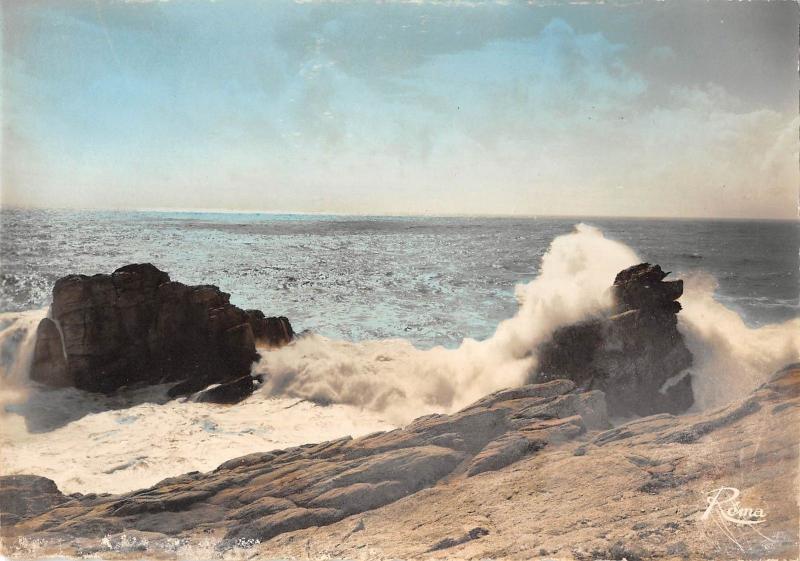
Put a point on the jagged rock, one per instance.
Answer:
(642, 287)
(629, 498)
(274, 331)
(137, 326)
(636, 356)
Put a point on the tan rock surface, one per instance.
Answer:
(551, 484)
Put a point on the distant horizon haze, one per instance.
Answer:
(319, 214)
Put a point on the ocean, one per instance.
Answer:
(404, 316)
(431, 281)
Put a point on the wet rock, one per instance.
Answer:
(49, 364)
(273, 331)
(228, 392)
(136, 326)
(635, 355)
(642, 287)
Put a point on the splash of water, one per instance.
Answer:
(85, 441)
(392, 376)
(91, 442)
(730, 358)
(402, 381)
(17, 339)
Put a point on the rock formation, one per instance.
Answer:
(25, 496)
(275, 331)
(137, 326)
(636, 356)
(526, 473)
(259, 496)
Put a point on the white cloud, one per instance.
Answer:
(550, 125)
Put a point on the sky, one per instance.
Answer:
(668, 109)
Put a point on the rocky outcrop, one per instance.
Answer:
(527, 473)
(137, 326)
(636, 355)
(262, 495)
(25, 496)
(274, 331)
(642, 287)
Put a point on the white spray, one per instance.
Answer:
(392, 376)
(402, 381)
(17, 340)
(730, 358)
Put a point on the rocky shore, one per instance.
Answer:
(524, 473)
(136, 326)
(536, 471)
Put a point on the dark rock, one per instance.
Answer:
(187, 387)
(49, 364)
(24, 496)
(643, 287)
(273, 331)
(137, 326)
(229, 392)
(636, 356)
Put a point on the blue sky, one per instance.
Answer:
(652, 109)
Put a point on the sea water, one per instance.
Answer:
(432, 281)
(405, 316)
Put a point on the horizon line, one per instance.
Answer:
(166, 210)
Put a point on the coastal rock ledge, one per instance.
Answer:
(533, 472)
(136, 326)
(262, 495)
